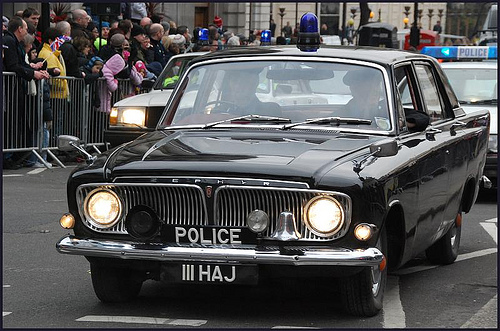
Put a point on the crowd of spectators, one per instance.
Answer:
(136, 47)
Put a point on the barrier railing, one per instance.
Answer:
(75, 111)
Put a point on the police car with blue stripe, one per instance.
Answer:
(472, 72)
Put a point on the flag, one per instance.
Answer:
(58, 42)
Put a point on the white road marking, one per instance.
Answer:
(476, 254)
(140, 320)
(5, 313)
(293, 327)
(491, 228)
(36, 171)
(13, 175)
(493, 220)
(462, 257)
(5, 286)
(486, 317)
(393, 313)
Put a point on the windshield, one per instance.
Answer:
(171, 73)
(292, 90)
(473, 85)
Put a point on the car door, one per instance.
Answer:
(443, 171)
(428, 175)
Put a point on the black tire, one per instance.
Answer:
(445, 250)
(363, 293)
(114, 284)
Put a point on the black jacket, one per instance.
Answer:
(14, 55)
(159, 52)
(47, 108)
(70, 55)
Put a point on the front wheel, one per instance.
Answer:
(445, 250)
(363, 293)
(114, 284)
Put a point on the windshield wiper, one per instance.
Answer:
(250, 118)
(329, 120)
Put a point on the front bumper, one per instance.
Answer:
(332, 256)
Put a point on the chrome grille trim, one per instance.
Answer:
(233, 203)
(186, 204)
(174, 204)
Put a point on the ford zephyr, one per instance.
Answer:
(283, 161)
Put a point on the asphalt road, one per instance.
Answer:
(45, 289)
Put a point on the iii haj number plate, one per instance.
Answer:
(210, 273)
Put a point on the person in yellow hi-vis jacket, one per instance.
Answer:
(54, 59)
(59, 91)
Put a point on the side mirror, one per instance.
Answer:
(384, 148)
(67, 143)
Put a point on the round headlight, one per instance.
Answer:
(103, 208)
(324, 216)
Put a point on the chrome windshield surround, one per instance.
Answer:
(333, 256)
(389, 92)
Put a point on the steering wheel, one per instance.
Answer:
(229, 106)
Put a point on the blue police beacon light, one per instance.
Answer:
(265, 38)
(203, 37)
(308, 38)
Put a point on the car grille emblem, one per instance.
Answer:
(208, 191)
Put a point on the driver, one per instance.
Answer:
(365, 86)
(238, 96)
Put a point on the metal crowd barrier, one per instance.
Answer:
(75, 112)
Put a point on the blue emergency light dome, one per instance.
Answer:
(308, 37)
(265, 37)
(203, 36)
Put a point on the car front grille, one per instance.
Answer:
(186, 204)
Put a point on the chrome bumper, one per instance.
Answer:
(222, 254)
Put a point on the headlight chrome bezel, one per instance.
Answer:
(335, 229)
(91, 219)
(118, 116)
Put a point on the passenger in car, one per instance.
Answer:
(367, 101)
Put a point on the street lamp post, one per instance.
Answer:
(282, 13)
(406, 19)
(430, 14)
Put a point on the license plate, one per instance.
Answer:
(210, 273)
(208, 235)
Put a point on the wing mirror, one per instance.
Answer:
(384, 148)
(387, 147)
(68, 143)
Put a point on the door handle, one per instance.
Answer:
(431, 132)
(457, 125)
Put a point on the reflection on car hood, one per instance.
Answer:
(493, 109)
(244, 153)
(155, 98)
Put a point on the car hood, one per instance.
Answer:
(155, 98)
(266, 154)
(493, 109)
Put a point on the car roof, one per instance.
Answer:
(382, 56)
(471, 64)
(192, 54)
